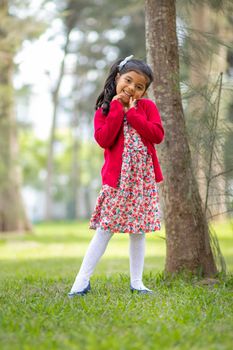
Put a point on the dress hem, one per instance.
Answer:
(126, 231)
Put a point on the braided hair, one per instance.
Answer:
(109, 90)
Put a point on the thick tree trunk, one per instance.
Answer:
(187, 235)
(12, 213)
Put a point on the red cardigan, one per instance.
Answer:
(145, 119)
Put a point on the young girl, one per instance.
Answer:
(127, 126)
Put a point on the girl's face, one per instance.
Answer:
(130, 84)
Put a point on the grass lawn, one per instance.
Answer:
(37, 271)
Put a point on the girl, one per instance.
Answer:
(127, 126)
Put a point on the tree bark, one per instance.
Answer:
(187, 234)
(12, 213)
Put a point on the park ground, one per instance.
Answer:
(37, 271)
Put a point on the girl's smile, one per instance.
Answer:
(130, 85)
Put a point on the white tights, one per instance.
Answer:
(97, 248)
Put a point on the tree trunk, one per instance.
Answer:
(12, 213)
(75, 169)
(55, 97)
(187, 234)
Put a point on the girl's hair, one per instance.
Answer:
(109, 90)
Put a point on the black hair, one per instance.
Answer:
(109, 90)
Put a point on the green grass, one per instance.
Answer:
(35, 313)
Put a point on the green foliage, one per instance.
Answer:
(16, 28)
(37, 273)
(33, 158)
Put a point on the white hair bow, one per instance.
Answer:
(121, 65)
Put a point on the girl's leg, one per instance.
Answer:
(136, 258)
(94, 252)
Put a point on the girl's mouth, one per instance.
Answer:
(127, 94)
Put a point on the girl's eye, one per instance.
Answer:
(139, 87)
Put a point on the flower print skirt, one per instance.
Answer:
(132, 207)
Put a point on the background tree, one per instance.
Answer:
(188, 242)
(99, 43)
(12, 32)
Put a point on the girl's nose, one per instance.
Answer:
(132, 87)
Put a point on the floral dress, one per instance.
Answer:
(132, 207)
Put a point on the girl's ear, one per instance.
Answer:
(145, 95)
(117, 77)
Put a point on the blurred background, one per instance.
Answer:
(61, 52)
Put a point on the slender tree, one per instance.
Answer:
(82, 15)
(12, 213)
(70, 12)
(50, 159)
(187, 233)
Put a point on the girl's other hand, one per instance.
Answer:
(132, 103)
(118, 97)
(121, 98)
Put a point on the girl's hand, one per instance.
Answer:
(118, 97)
(132, 103)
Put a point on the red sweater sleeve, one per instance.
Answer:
(108, 127)
(147, 124)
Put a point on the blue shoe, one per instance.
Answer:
(141, 291)
(82, 292)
